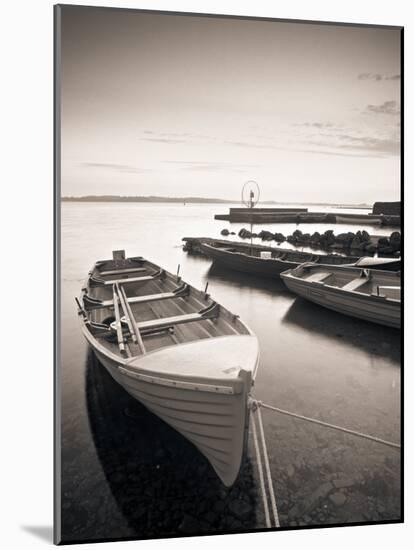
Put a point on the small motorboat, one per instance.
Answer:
(173, 348)
(372, 295)
(271, 262)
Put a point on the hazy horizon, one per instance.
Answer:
(175, 106)
(194, 198)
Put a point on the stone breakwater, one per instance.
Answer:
(361, 241)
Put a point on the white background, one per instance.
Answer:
(27, 258)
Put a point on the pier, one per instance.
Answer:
(302, 215)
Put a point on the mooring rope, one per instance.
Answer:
(332, 426)
(255, 407)
(269, 475)
(261, 478)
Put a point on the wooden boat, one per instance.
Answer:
(359, 220)
(273, 261)
(310, 217)
(182, 355)
(367, 294)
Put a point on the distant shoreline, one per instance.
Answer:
(194, 200)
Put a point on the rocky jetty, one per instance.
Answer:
(358, 242)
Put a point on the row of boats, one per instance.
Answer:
(191, 361)
(367, 288)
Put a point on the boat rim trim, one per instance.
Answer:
(212, 388)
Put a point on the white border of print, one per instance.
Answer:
(27, 229)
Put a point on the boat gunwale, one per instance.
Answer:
(286, 251)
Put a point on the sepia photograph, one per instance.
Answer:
(229, 249)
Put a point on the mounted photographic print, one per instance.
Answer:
(228, 274)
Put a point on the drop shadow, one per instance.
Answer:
(43, 532)
(369, 337)
(162, 484)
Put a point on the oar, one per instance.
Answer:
(126, 313)
(135, 328)
(119, 334)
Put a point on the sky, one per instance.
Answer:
(173, 105)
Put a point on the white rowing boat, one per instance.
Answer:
(372, 295)
(183, 356)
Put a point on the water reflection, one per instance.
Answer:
(371, 338)
(161, 482)
(244, 280)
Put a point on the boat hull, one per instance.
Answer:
(365, 307)
(216, 423)
(272, 267)
(247, 264)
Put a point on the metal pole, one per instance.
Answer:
(251, 235)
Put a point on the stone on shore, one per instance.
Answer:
(190, 525)
(225, 232)
(370, 247)
(395, 241)
(279, 237)
(240, 509)
(338, 499)
(383, 241)
(244, 234)
(356, 242)
(385, 250)
(344, 482)
(316, 237)
(266, 235)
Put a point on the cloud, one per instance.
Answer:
(123, 168)
(387, 146)
(377, 77)
(320, 125)
(336, 153)
(174, 137)
(386, 108)
(370, 76)
(393, 77)
(205, 166)
(368, 146)
(163, 140)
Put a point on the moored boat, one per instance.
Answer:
(273, 261)
(359, 220)
(182, 355)
(372, 295)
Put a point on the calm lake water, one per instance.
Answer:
(127, 474)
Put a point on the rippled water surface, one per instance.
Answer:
(127, 474)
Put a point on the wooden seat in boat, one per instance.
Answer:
(318, 277)
(92, 303)
(354, 284)
(97, 281)
(210, 312)
(122, 271)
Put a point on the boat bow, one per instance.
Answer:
(200, 389)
